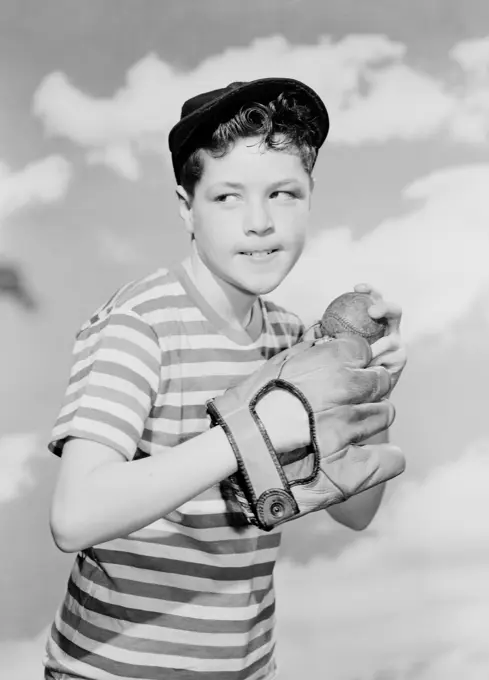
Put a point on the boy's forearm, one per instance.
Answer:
(117, 498)
(100, 496)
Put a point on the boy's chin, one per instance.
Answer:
(262, 287)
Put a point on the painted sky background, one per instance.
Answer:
(88, 92)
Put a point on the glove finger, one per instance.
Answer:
(361, 467)
(372, 383)
(346, 386)
(355, 469)
(339, 427)
(350, 350)
(329, 357)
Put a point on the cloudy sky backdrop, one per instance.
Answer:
(89, 92)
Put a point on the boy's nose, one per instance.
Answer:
(258, 220)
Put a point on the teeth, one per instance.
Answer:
(259, 253)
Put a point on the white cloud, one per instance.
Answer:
(473, 57)
(119, 158)
(42, 181)
(408, 602)
(432, 260)
(22, 659)
(470, 122)
(372, 93)
(402, 104)
(16, 454)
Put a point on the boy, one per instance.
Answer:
(168, 583)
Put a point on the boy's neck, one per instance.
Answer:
(235, 307)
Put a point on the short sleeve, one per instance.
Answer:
(113, 384)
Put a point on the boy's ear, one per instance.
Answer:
(312, 184)
(185, 209)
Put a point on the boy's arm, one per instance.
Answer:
(358, 511)
(100, 496)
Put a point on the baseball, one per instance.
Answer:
(348, 314)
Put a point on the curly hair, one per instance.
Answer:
(282, 124)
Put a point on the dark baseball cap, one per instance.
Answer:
(201, 114)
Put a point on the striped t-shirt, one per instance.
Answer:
(189, 597)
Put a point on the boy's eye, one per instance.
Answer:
(284, 194)
(225, 198)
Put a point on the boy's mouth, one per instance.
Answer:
(259, 254)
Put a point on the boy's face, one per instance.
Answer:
(249, 215)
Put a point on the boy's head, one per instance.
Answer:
(243, 158)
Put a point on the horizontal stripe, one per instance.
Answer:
(174, 593)
(171, 399)
(239, 543)
(123, 415)
(176, 413)
(244, 552)
(125, 657)
(130, 348)
(123, 329)
(90, 417)
(130, 671)
(97, 432)
(189, 610)
(189, 583)
(121, 365)
(205, 357)
(216, 369)
(175, 426)
(212, 342)
(146, 384)
(166, 325)
(119, 388)
(232, 521)
(172, 525)
(162, 634)
(174, 648)
(177, 619)
(195, 563)
(111, 396)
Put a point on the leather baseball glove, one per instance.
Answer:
(344, 402)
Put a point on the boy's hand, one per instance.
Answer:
(389, 351)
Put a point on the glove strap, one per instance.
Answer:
(265, 482)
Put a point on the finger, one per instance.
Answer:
(366, 288)
(345, 386)
(373, 292)
(387, 344)
(391, 360)
(367, 420)
(363, 467)
(361, 386)
(347, 350)
(381, 308)
(349, 424)
(390, 311)
(385, 309)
